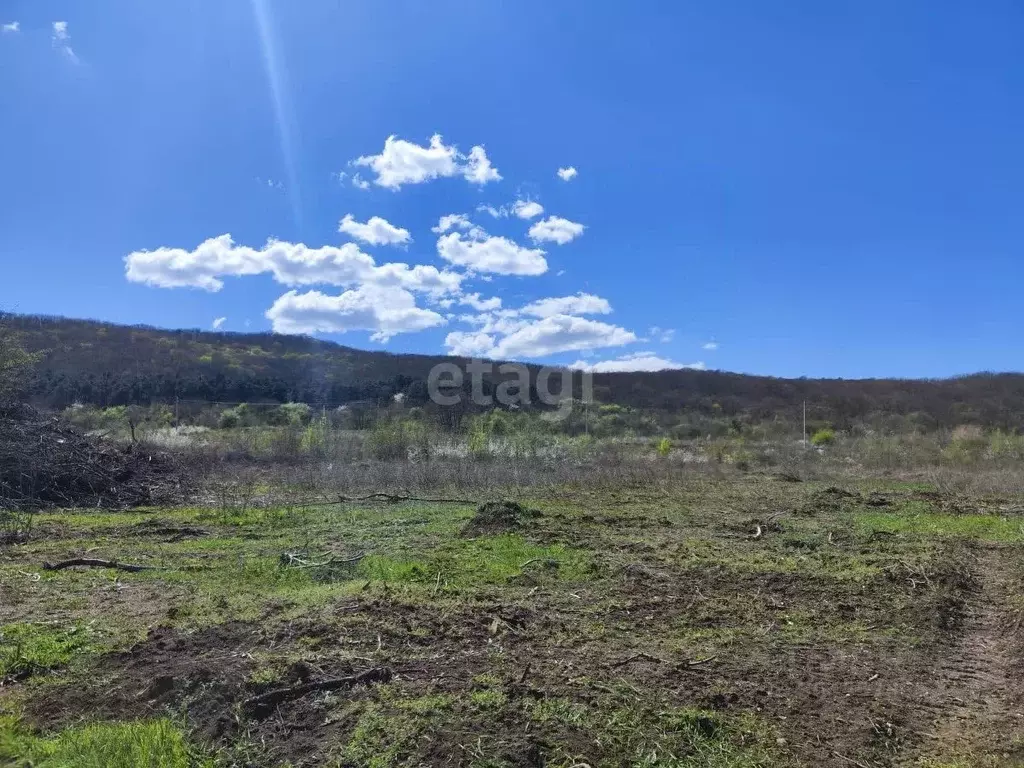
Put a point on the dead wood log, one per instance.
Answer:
(90, 562)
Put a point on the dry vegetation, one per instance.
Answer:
(716, 603)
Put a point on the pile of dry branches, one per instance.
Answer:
(44, 463)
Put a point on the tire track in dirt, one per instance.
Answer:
(978, 688)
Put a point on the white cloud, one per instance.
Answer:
(567, 174)
(664, 335)
(481, 305)
(359, 182)
(495, 212)
(580, 304)
(527, 209)
(289, 263)
(451, 221)
(478, 168)
(640, 361)
(560, 333)
(710, 345)
(403, 162)
(14, 26)
(556, 230)
(524, 209)
(376, 231)
(482, 253)
(218, 323)
(504, 336)
(62, 40)
(469, 343)
(384, 311)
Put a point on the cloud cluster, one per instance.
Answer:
(480, 252)
(383, 310)
(384, 299)
(291, 264)
(541, 328)
(12, 26)
(403, 162)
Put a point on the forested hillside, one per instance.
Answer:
(106, 364)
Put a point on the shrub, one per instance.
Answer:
(664, 447)
(389, 440)
(824, 436)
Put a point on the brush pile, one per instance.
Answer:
(44, 463)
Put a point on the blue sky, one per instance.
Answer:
(814, 189)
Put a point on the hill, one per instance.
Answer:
(106, 364)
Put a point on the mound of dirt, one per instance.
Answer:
(498, 517)
(44, 463)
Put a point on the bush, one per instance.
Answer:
(664, 447)
(824, 436)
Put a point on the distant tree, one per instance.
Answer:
(15, 368)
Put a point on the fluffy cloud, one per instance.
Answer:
(384, 311)
(376, 231)
(503, 335)
(62, 40)
(451, 221)
(359, 182)
(555, 230)
(289, 263)
(469, 343)
(483, 253)
(481, 305)
(567, 174)
(14, 26)
(403, 162)
(527, 209)
(218, 323)
(640, 361)
(478, 168)
(580, 304)
(560, 333)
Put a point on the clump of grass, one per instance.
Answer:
(26, 648)
(147, 744)
(485, 560)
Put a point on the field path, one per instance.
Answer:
(978, 686)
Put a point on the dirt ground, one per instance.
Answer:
(743, 622)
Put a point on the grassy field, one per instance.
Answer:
(732, 622)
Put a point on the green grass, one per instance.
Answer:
(143, 744)
(27, 648)
(486, 560)
(983, 527)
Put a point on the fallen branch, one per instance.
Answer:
(698, 662)
(637, 657)
(294, 561)
(757, 534)
(267, 701)
(89, 562)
